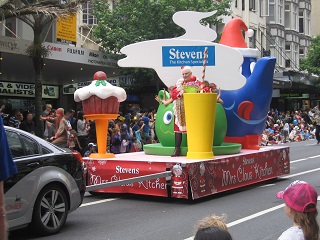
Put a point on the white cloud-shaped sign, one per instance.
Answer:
(166, 56)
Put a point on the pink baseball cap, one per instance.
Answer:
(300, 196)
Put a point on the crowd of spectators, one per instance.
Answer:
(294, 126)
(132, 130)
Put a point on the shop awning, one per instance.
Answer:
(282, 82)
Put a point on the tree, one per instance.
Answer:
(134, 21)
(312, 62)
(38, 14)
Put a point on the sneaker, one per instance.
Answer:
(318, 142)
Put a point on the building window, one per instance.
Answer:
(308, 23)
(243, 7)
(271, 11)
(295, 18)
(280, 12)
(288, 63)
(236, 3)
(264, 8)
(301, 51)
(287, 18)
(87, 14)
(252, 5)
(301, 21)
(295, 57)
(276, 49)
(252, 40)
(288, 47)
(11, 27)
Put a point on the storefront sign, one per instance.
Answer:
(60, 52)
(27, 90)
(103, 171)
(290, 94)
(67, 30)
(71, 88)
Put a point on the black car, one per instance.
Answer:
(50, 183)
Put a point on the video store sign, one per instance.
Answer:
(27, 90)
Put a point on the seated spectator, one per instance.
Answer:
(92, 148)
(213, 228)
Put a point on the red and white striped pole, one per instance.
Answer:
(205, 56)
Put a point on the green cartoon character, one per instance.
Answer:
(164, 129)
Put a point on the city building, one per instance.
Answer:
(315, 17)
(72, 62)
(283, 30)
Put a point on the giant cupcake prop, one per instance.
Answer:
(100, 102)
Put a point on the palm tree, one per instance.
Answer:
(38, 14)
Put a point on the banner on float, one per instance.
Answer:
(14, 89)
(210, 177)
(173, 56)
(103, 171)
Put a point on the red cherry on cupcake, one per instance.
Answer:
(100, 76)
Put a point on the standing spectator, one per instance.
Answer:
(316, 117)
(15, 118)
(82, 126)
(48, 118)
(146, 127)
(212, 228)
(152, 125)
(92, 132)
(61, 136)
(2, 109)
(301, 206)
(28, 124)
(115, 141)
(7, 169)
(286, 130)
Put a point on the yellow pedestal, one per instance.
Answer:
(200, 109)
(101, 121)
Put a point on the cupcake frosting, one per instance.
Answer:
(101, 89)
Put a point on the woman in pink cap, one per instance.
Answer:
(301, 206)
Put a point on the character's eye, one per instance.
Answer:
(240, 69)
(252, 65)
(167, 117)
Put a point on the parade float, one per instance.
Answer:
(220, 150)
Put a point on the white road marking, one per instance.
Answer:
(258, 214)
(300, 173)
(97, 202)
(255, 215)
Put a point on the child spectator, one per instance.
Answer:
(301, 206)
(135, 147)
(213, 228)
(73, 141)
(92, 148)
(124, 143)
